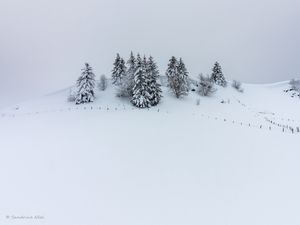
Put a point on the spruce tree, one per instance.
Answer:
(184, 77)
(177, 77)
(217, 75)
(85, 85)
(131, 64)
(171, 70)
(130, 74)
(141, 96)
(119, 70)
(154, 86)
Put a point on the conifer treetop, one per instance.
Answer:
(217, 75)
(119, 70)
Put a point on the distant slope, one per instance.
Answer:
(257, 102)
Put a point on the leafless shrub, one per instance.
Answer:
(205, 86)
(102, 83)
(125, 88)
(295, 85)
(72, 95)
(237, 85)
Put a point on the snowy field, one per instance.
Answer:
(230, 163)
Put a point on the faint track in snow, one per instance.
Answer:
(122, 108)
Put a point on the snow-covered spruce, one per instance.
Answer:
(119, 70)
(217, 75)
(184, 76)
(141, 96)
(154, 86)
(177, 76)
(131, 63)
(126, 87)
(171, 70)
(85, 86)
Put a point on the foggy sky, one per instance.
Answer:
(45, 43)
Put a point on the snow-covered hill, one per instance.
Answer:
(233, 159)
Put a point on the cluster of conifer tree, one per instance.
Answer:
(138, 80)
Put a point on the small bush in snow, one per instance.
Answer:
(125, 88)
(72, 95)
(102, 83)
(223, 101)
(295, 85)
(198, 102)
(237, 85)
(206, 86)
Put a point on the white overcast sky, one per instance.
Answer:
(44, 43)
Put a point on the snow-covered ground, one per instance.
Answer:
(230, 163)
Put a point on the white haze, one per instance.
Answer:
(44, 43)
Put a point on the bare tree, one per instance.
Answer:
(205, 86)
(237, 85)
(125, 88)
(72, 95)
(102, 83)
(295, 85)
